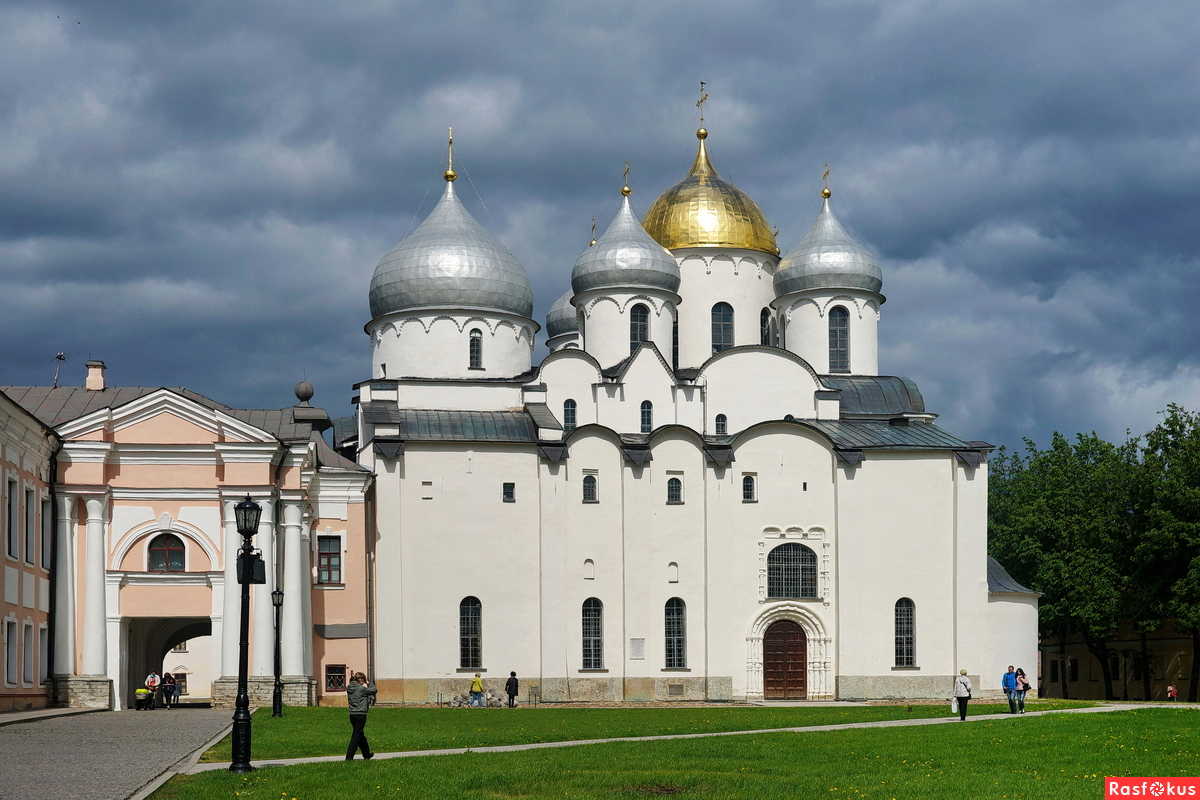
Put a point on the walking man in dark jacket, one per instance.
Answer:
(359, 695)
(511, 687)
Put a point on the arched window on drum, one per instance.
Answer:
(792, 573)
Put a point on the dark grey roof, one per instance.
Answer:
(884, 395)
(465, 426)
(1000, 582)
(543, 416)
(61, 404)
(328, 457)
(872, 434)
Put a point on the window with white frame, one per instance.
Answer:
(476, 349)
(722, 425)
(906, 613)
(28, 653)
(722, 327)
(31, 547)
(10, 651)
(647, 416)
(639, 326)
(166, 553)
(749, 490)
(329, 560)
(43, 654)
(839, 339)
(593, 634)
(10, 520)
(47, 534)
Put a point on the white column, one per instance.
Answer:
(95, 617)
(231, 607)
(262, 646)
(64, 592)
(295, 587)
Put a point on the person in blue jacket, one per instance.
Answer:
(1009, 684)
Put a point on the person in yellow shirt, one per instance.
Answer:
(476, 691)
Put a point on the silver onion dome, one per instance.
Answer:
(625, 257)
(450, 261)
(827, 258)
(561, 318)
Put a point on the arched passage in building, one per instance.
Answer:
(146, 641)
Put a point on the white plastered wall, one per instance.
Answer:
(742, 278)
(430, 344)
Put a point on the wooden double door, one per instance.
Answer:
(785, 662)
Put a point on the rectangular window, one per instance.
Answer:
(509, 492)
(1114, 668)
(27, 661)
(1137, 667)
(10, 652)
(10, 520)
(335, 677)
(1054, 671)
(31, 548)
(329, 560)
(47, 534)
(180, 648)
(43, 655)
(426, 490)
(1073, 669)
(181, 683)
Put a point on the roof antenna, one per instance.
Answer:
(60, 358)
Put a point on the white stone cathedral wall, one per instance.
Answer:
(434, 345)
(742, 278)
(806, 329)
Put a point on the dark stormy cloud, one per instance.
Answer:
(197, 193)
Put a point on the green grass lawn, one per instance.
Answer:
(305, 732)
(1058, 756)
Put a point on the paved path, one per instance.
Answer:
(283, 762)
(106, 755)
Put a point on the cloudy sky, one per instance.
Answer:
(198, 192)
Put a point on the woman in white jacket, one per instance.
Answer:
(962, 693)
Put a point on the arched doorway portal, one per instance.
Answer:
(146, 640)
(785, 661)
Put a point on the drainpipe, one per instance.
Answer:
(52, 627)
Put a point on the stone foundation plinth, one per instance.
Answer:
(82, 691)
(900, 686)
(297, 691)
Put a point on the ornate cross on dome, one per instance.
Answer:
(700, 103)
(450, 173)
(825, 178)
(625, 190)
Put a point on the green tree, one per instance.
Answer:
(1060, 519)
(1167, 557)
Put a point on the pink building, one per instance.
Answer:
(26, 451)
(146, 541)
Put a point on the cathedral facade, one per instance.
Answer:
(705, 491)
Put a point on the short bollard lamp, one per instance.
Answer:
(277, 695)
(246, 514)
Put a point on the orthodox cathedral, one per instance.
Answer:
(706, 491)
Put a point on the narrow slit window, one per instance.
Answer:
(569, 410)
(476, 349)
(722, 327)
(905, 633)
(839, 339)
(764, 327)
(639, 326)
(647, 416)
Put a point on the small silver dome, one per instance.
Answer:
(625, 257)
(827, 258)
(561, 318)
(450, 261)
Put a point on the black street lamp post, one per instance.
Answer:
(246, 514)
(277, 695)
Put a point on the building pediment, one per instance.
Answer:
(164, 417)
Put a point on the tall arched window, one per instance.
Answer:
(470, 633)
(748, 495)
(674, 490)
(839, 339)
(568, 415)
(591, 492)
(639, 326)
(764, 327)
(593, 634)
(675, 341)
(722, 425)
(647, 416)
(792, 572)
(476, 349)
(675, 630)
(722, 327)
(906, 638)
(166, 553)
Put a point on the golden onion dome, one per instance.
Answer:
(704, 211)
